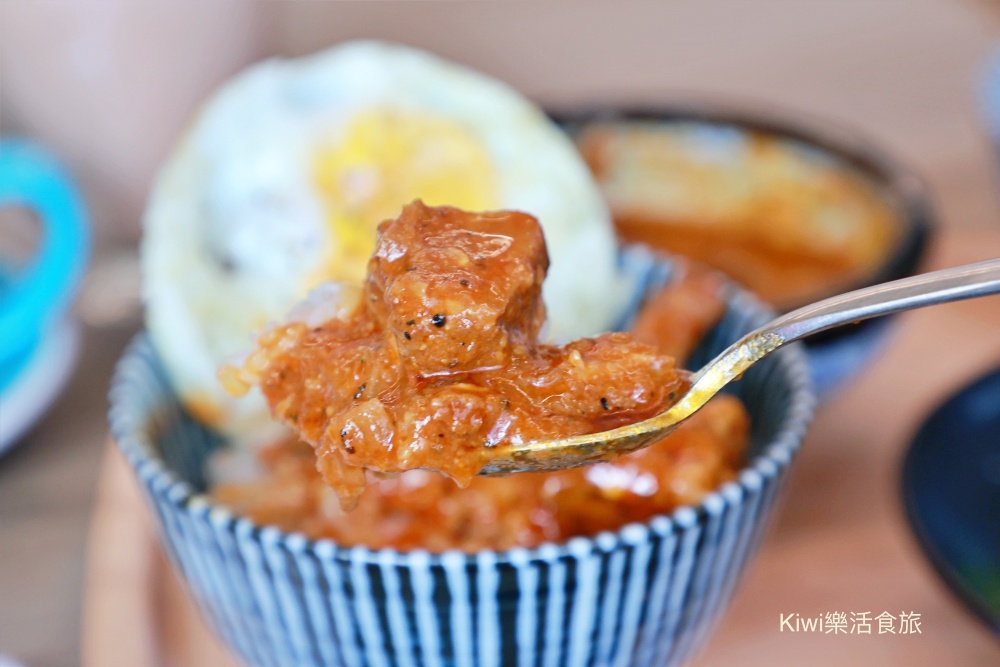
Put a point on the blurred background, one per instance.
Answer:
(108, 87)
(114, 83)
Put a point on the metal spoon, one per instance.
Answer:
(955, 284)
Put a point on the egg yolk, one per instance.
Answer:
(387, 158)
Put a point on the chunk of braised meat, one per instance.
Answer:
(440, 362)
(459, 291)
(423, 510)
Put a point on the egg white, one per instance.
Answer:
(236, 231)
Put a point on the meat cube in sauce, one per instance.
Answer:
(424, 510)
(441, 362)
(458, 290)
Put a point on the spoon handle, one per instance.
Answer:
(928, 289)
(961, 282)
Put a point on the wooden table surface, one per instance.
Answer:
(905, 72)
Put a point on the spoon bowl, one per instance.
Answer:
(954, 284)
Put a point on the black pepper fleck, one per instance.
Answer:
(410, 323)
(439, 320)
(360, 391)
(463, 282)
(406, 335)
(348, 447)
(604, 403)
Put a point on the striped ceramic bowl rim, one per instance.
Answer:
(711, 542)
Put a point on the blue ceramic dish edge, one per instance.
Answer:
(921, 533)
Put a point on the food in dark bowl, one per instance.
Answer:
(644, 593)
(795, 212)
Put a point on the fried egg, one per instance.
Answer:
(282, 178)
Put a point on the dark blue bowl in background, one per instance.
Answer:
(951, 492)
(647, 594)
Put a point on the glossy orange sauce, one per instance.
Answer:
(423, 509)
(440, 361)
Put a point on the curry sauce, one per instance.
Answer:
(421, 509)
(440, 360)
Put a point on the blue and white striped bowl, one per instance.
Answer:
(645, 595)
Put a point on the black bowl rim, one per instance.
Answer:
(776, 455)
(919, 529)
(908, 193)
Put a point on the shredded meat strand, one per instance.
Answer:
(440, 362)
(421, 509)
